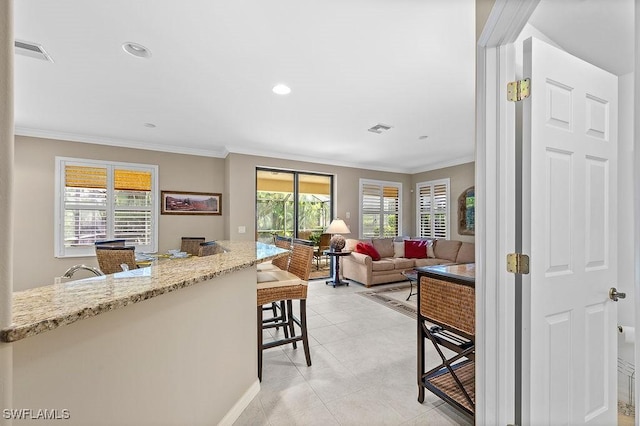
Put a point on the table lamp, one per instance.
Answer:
(336, 228)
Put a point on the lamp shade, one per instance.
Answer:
(337, 227)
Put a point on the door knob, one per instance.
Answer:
(614, 295)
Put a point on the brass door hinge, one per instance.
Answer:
(518, 90)
(517, 263)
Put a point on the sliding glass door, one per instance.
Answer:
(293, 204)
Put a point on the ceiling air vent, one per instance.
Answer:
(32, 50)
(379, 128)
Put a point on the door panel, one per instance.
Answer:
(569, 231)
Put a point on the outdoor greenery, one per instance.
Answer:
(275, 215)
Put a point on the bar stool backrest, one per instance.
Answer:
(191, 244)
(110, 259)
(301, 261)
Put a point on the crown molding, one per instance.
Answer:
(315, 160)
(224, 151)
(123, 143)
(442, 165)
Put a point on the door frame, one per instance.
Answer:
(495, 204)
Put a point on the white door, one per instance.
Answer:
(569, 230)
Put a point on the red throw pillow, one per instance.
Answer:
(366, 248)
(415, 249)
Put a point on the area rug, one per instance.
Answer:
(394, 298)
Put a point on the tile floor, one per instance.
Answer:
(363, 372)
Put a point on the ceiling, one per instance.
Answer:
(351, 64)
(598, 31)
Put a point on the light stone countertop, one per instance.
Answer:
(45, 308)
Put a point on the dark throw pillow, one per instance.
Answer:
(366, 248)
(415, 249)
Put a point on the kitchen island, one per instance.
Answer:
(109, 350)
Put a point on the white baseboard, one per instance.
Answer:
(239, 406)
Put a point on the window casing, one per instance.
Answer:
(100, 200)
(433, 211)
(380, 208)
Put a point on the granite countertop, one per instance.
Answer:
(44, 308)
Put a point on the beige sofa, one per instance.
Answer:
(363, 269)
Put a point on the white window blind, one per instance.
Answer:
(433, 209)
(99, 200)
(380, 208)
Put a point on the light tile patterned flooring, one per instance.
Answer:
(363, 372)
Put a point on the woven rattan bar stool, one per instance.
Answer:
(290, 285)
(191, 244)
(111, 243)
(282, 264)
(110, 258)
(208, 248)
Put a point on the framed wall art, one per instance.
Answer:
(191, 203)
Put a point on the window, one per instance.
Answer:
(98, 200)
(380, 211)
(433, 209)
(292, 203)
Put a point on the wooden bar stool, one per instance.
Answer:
(282, 264)
(191, 244)
(110, 258)
(278, 286)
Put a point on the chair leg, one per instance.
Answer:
(260, 343)
(289, 321)
(283, 315)
(303, 327)
(274, 309)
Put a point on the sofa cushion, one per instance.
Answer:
(467, 253)
(350, 244)
(398, 249)
(415, 249)
(430, 262)
(368, 249)
(383, 265)
(384, 246)
(402, 263)
(430, 252)
(446, 249)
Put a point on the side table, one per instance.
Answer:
(336, 270)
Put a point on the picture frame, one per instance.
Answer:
(191, 203)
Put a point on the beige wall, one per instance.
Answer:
(34, 201)
(461, 177)
(241, 179)
(234, 177)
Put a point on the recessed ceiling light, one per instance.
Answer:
(137, 50)
(281, 89)
(149, 125)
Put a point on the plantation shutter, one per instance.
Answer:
(132, 213)
(85, 205)
(425, 224)
(380, 209)
(433, 209)
(391, 208)
(100, 200)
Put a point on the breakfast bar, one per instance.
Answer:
(109, 350)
